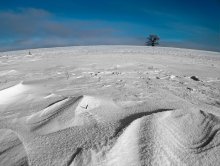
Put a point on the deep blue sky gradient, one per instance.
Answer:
(48, 23)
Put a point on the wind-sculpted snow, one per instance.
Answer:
(166, 137)
(175, 137)
(69, 112)
(9, 95)
(126, 149)
(193, 131)
(186, 137)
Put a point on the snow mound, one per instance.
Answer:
(69, 112)
(13, 93)
(192, 131)
(170, 138)
(184, 138)
(25, 93)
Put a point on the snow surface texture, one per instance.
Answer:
(109, 106)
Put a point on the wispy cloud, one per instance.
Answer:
(22, 22)
(32, 28)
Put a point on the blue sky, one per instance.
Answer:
(47, 23)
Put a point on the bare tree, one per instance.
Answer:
(152, 40)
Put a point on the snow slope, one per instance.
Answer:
(110, 105)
